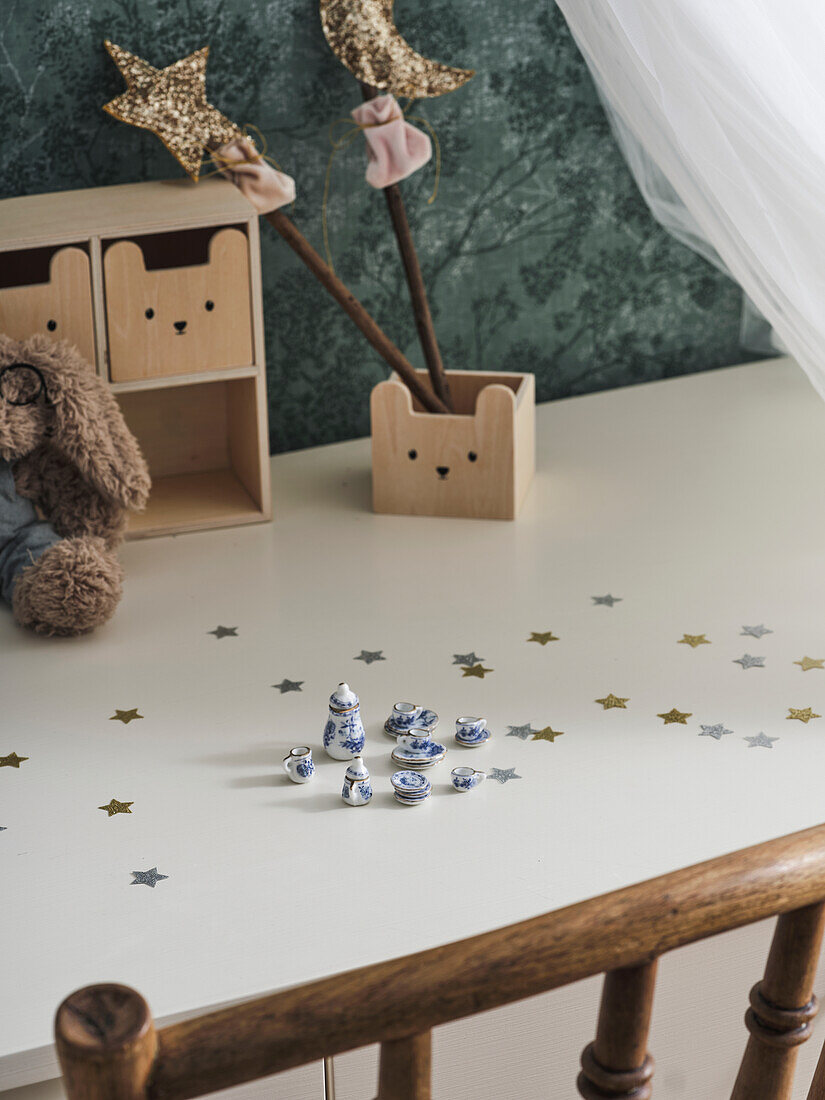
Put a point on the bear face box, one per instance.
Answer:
(178, 320)
(60, 307)
(476, 463)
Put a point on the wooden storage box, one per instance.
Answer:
(476, 463)
(159, 286)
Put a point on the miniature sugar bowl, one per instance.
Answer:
(466, 779)
(299, 765)
(344, 734)
(357, 789)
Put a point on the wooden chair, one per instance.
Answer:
(109, 1048)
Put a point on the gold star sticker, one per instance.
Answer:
(475, 670)
(125, 716)
(803, 715)
(12, 760)
(171, 103)
(611, 701)
(116, 807)
(674, 715)
(547, 734)
(808, 663)
(693, 640)
(542, 637)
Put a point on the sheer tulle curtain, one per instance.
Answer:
(719, 106)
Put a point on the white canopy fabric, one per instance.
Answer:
(719, 106)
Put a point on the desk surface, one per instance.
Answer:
(697, 503)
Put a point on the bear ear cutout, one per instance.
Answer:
(391, 399)
(68, 264)
(227, 246)
(496, 402)
(123, 256)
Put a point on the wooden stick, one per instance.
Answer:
(415, 281)
(405, 1068)
(354, 310)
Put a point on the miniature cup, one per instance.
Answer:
(466, 779)
(298, 764)
(470, 730)
(414, 740)
(404, 715)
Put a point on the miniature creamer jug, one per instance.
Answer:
(344, 732)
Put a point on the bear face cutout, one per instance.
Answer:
(60, 308)
(444, 465)
(178, 320)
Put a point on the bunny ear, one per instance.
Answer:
(89, 429)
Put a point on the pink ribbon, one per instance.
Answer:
(265, 187)
(395, 149)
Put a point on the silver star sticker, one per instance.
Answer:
(522, 732)
(717, 731)
(370, 655)
(606, 601)
(224, 632)
(746, 661)
(756, 631)
(467, 659)
(502, 775)
(289, 685)
(147, 878)
(760, 741)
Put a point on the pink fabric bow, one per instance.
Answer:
(394, 148)
(265, 187)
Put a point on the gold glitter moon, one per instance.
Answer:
(364, 37)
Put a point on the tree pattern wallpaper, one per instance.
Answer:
(539, 253)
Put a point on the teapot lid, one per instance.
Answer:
(343, 696)
(357, 769)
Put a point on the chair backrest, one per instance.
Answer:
(109, 1048)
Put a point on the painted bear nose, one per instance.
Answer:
(180, 325)
(442, 471)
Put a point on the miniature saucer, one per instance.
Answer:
(482, 739)
(410, 784)
(426, 720)
(411, 801)
(433, 754)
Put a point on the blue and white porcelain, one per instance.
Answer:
(410, 788)
(344, 732)
(471, 731)
(433, 753)
(466, 779)
(299, 765)
(357, 789)
(424, 719)
(415, 740)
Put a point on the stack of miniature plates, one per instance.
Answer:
(410, 788)
(426, 720)
(428, 757)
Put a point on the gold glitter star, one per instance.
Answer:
(674, 715)
(116, 807)
(125, 716)
(547, 734)
(611, 701)
(803, 715)
(475, 670)
(808, 663)
(171, 103)
(693, 640)
(542, 637)
(12, 760)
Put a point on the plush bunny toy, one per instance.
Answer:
(69, 470)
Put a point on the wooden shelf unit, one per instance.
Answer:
(183, 260)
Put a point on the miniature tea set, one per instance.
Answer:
(411, 727)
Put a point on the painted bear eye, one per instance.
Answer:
(413, 453)
(51, 325)
(210, 305)
(472, 456)
(150, 313)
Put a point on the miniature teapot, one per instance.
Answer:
(357, 789)
(344, 732)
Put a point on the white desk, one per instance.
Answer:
(699, 502)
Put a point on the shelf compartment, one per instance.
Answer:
(203, 445)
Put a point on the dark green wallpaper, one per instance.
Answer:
(539, 253)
